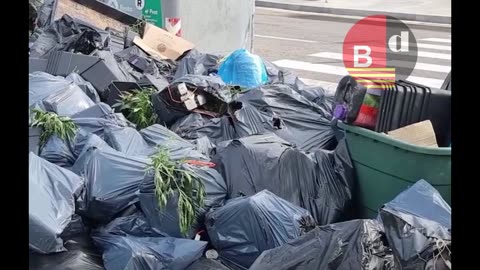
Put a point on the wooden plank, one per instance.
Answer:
(87, 14)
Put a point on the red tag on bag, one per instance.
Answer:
(200, 163)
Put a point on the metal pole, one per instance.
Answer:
(171, 15)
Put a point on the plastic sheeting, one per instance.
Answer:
(134, 225)
(52, 191)
(81, 254)
(112, 179)
(67, 34)
(195, 126)
(178, 148)
(351, 245)
(197, 63)
(304, 123)
(417, 224)
(87, 87)
(244, 69)
(133, 253)
(167, 220)
(245, 227)
(321, 181)
(41, 85)
(58, 152)
(128, 140)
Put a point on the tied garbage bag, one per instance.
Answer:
(245, 227)
(417, 224)
(156, 253)
(321, 181)
(303, 123)
(197, 63)
(81, 254)
(52, 191)
(128, 140)
(112, 179)
(244, 69)
(178, 148)
(94, 120)
(351, 245)
(196, 126)
(167, 220)
(68, 34)
(134, 225)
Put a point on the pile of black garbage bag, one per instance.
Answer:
(279, 185)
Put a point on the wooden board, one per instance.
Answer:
(87, 14)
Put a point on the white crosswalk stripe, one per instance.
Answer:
(335, 70)
(437, 50)
(441, 40)
(433, 46)
(420, 54)
(419, 65)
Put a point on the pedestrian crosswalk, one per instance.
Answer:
(326, 68)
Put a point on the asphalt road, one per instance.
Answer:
(311, 45)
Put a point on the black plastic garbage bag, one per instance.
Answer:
(197, 63)
(68, 34)
(84, 141)
(59, 151)
(321, 181)
(42, 85)
(68, 102)
(207, 264)
(156, 253)
(178, 148)
(248, 120)
(81, 254)
(245, 227)
(204, 145)
(104, 111)
(417, 224)
(195, 126)
(87, 87)
(52, 191)
(134, 225)
(351, 245)
(304, 123)
(128, 140)
(65, 152)
(167, 220)
(112, 179)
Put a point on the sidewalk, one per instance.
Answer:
(433, 11)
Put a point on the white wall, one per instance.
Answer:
(218, 26)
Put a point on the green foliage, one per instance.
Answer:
(170, 178)
(53, 124)
(138, 108)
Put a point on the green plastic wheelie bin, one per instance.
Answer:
(386, 166)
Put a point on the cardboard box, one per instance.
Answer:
(160, 43)
(421, 134)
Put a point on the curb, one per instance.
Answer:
(354, 12)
